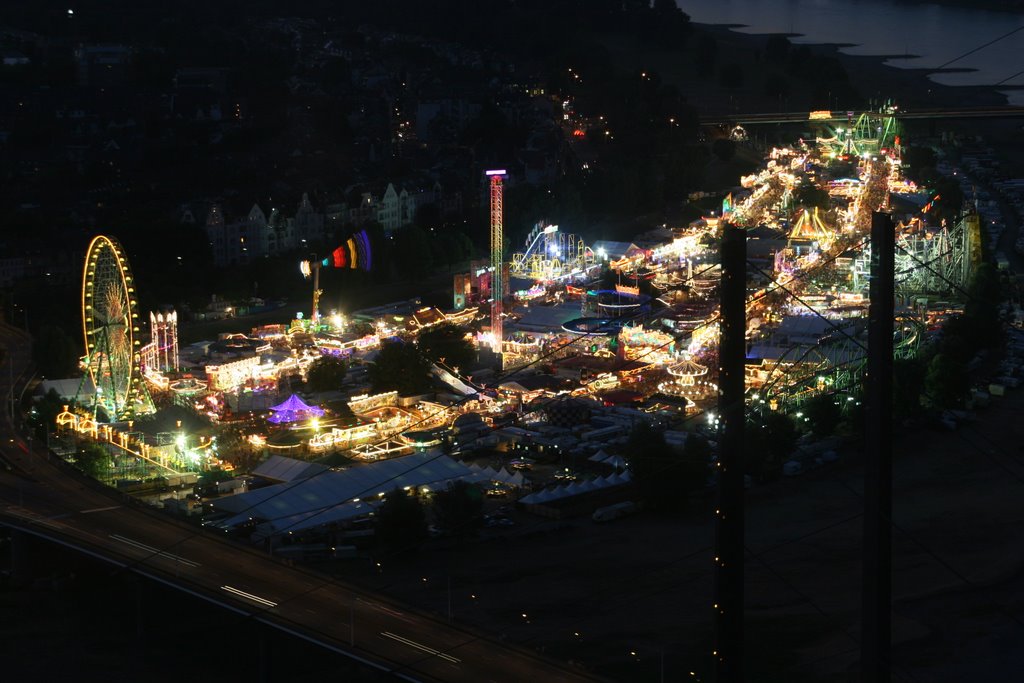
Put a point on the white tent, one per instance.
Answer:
(478, 477)
(577, 488)
(331, 495)
(616, 461)
(535, 498)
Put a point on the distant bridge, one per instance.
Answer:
(846, 115)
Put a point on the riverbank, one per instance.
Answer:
(1009, 6)
(869, 75)
(876, 81)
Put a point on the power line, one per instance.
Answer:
(317, 511)
(980, 47)
(549, 402)
(329, 581)
(810, 308)
(1010, 78)
(429, 417)
(614, 585)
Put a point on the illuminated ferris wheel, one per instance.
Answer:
(110, 325)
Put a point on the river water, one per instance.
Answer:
(935, 33)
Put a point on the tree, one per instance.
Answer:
(696, 461)
(326, 373)
(428, 216)
(823, 414)
(665, 475)
(412, 251)
(799, 59)
(706, 54)
(908, 386)
(947, 381)
(447, 248)
(981, 311)
(950, 199)
(918, 160)
(666, 8)
(776, 49)
(53, 352)
(459, 509)
(399, 367)
(93, 459)
(446, 343)
(809, 195)
(776, 85)
(173, 418)
(47, 408)
(724, 149)
(731, 75)
(768, 442)
(401, 522)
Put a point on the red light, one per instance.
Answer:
(578, 133)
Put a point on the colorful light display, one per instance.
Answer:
(110, 327)
(293, 410)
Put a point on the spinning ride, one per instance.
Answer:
(552, 255)
(110, 327)
(688, 381)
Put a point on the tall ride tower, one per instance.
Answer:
(497, 259)
(163, 329)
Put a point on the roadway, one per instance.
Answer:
(44, 496)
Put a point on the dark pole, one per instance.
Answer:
(263, 661)
(729, 521)
(876, 604)
(140, 624)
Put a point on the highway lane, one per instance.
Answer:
(44, 495)
(254, 584)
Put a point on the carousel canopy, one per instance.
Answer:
(687, 368)
(293, 410)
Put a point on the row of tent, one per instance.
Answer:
(577, 488)
(616, 461)
(481, 473)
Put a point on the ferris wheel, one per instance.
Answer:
(110, 326)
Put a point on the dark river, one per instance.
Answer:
(935, 33)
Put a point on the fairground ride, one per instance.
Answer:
(354, 253)
(939, 262)
(552, 255)
(110, 327)
(835, 365)
(810, 226)
(867, 133)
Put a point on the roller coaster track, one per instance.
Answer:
(797, 385)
